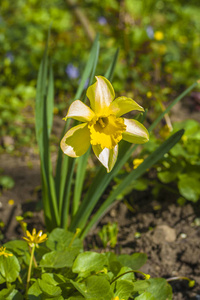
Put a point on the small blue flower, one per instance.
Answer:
(102, 20)
(72, 71)
(150, 32)
(10, 56)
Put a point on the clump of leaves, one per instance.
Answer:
(61, 270)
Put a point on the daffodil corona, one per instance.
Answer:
(102, 127)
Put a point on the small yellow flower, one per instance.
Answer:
(191, 283)
(35, 238)
(165, 131)
(116, 298)
(11, 202)
(149, 94)
(103, 125)
(158, 35)
(2, 252)
(137, 162)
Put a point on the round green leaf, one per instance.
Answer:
(160, 289)
(59, 239)
(89, 261)
(59, 259)
(189, 187)
(134, 261)
(9, 268)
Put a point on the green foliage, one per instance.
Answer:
(181, 165)
(86, 275)
(108, 235)
(145, 63)
(6, 182)
(56, 193)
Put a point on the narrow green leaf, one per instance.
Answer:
(50, 100)
(67, 193)
(176, 100)
(63, 175)
(111, 68)
(80, 176)
(44, 119)
(88, 67)
(82, 161)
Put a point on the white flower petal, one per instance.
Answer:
(100, 94)
(135, 132)
(80, 111)
(106, 156)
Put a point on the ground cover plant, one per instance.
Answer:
(59, 268)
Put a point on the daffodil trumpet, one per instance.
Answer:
(102, 127)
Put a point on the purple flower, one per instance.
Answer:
(72, 71)
(102, 20)
(150, 32)
(10, 56)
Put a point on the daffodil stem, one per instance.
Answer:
(146, 276)
(29, 269)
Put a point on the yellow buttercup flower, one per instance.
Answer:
(11, 202)
(137, 162)
(158, 35)
(116, 298)
(102, 127)
(149, 94)
(35, 238)
(4, 253)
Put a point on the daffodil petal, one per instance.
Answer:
(76, 141)
(106, 156)
(123, 105)
(80, 111)
(101, 94)
(135, 132)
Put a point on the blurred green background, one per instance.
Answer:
(159, 52)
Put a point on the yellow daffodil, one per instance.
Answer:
(102, 127)
(4, 253)
(35, 238)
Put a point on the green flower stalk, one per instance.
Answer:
(33, 240)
